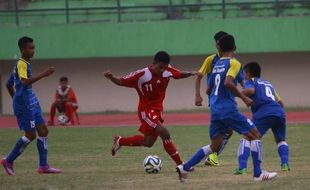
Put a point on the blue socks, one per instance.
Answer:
(18, 149)
(283, 151)
(243, 153)
(256, 151)
(200, 154)
(22, 143)
(42, 149)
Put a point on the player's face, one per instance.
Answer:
(247, 75)
(63, 84)
(28, 50)
(159, 68)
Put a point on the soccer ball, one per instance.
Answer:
(62, 119)
(152, 164)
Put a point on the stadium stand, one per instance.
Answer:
(46, 12)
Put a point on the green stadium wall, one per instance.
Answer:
(83, 51)
(191, 37)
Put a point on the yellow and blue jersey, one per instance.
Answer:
(24, 99)
(265, 99)
(208, 64)
(222, 100)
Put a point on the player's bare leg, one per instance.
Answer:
(44, 167)
(149, 141)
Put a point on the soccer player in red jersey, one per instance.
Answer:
(65, 102)
(151, 84)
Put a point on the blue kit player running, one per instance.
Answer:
(268, 114)
(205, 70)
(224, 112)
(27, 109)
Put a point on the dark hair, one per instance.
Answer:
(253, 68)
(162, 56)
(63, 79)
(227, 43)
(23, 41)
(219, 35)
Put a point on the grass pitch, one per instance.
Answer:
(84, 156)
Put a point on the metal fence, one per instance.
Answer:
(172, 11)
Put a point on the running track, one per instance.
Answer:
(175, 119)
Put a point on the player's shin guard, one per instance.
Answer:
(283, 151)
(243, 153)
(132, 141)
(200, 154)
(256, 151)
(18, 149)
(42, 149)
(225, 141)
(172, 151)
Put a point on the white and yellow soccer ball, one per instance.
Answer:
(152, 164)
(62, 119)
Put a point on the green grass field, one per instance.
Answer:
(84, 156)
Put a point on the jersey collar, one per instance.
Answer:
(21, 59)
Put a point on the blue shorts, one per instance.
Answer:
(29, 120)
(236, 122)
(276, 124)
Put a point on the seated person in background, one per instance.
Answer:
(65, 102)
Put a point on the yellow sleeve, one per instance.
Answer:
(278, 98)
(22, 69)
(207, 65)
(234, 68)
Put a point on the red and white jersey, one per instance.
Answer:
(150, 87)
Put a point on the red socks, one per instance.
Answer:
(172, 151)
(132, 141)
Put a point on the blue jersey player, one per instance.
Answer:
(224, 113)
(27, 109)
(206, 70)
(268, 114)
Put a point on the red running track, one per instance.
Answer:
(176, 119)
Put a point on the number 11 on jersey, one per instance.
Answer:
(148, 87)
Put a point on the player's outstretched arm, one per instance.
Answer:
(232, 87)
(38, 77)
(198, 98)
(114, 79)
(186, 74)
